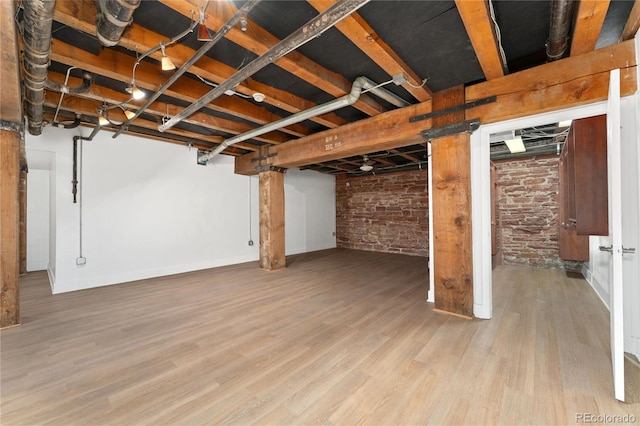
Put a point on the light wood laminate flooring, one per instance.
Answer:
(339, 337)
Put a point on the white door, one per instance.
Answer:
(615, 234)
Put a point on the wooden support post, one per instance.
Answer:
(9, 234)
(272, 220)
(451, 192)
(10, 138)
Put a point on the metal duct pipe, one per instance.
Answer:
(561, 19)
(112, 18)
(63, 88)
(38, 16)
(392, 98)
(307, 32)
(346, 100)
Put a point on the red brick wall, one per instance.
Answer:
(384, 213)
(528, 212)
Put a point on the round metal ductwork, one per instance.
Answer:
(38, 16)
(112, 18)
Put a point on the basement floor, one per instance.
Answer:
(339, 337)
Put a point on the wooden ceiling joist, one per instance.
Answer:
(588, 25)
(356, 29)
(80, 14)
(258, 41)
(478, 22)
(101, 94)
(88, 108)
(633, 23)
(572, 81)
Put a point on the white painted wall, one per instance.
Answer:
(37, 220)
(150, 210)
(42, 161)
(310, 211)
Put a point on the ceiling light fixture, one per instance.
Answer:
(166, 62)
(102, 120)
(366, 167)
(203, 31)
(135, 93)
(127, 113)
(258, 97)
(515, 145)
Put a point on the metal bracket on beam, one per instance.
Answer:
(468, 126)
(264, 157)
(456, 108)
(270, 168)
(201, 152)
(11, 126)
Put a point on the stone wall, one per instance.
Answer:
(528, 212)
(384, 213)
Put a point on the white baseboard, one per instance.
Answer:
(597, 286)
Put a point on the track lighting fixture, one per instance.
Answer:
(128, 114)
(135, 93)
(102, 120)
(166, 62)
(203, 31)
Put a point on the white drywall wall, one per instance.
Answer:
(37, 220)
(150, 210)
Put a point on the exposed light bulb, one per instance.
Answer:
(137, 94)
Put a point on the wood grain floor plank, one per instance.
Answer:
(338, 337)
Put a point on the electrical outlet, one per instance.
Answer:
(81, 261)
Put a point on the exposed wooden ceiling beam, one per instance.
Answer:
(356, 29)
(258, 41)
(80, 14)
(571, 81)
(477, 20)
(588, 25)
(633, 23)
(384, 131)
(403, 155)
(101, 94)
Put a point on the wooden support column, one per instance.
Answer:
(10, 137)
(272, 220)
(451, 192)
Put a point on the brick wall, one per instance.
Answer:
(528, 212)
(384, 213)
